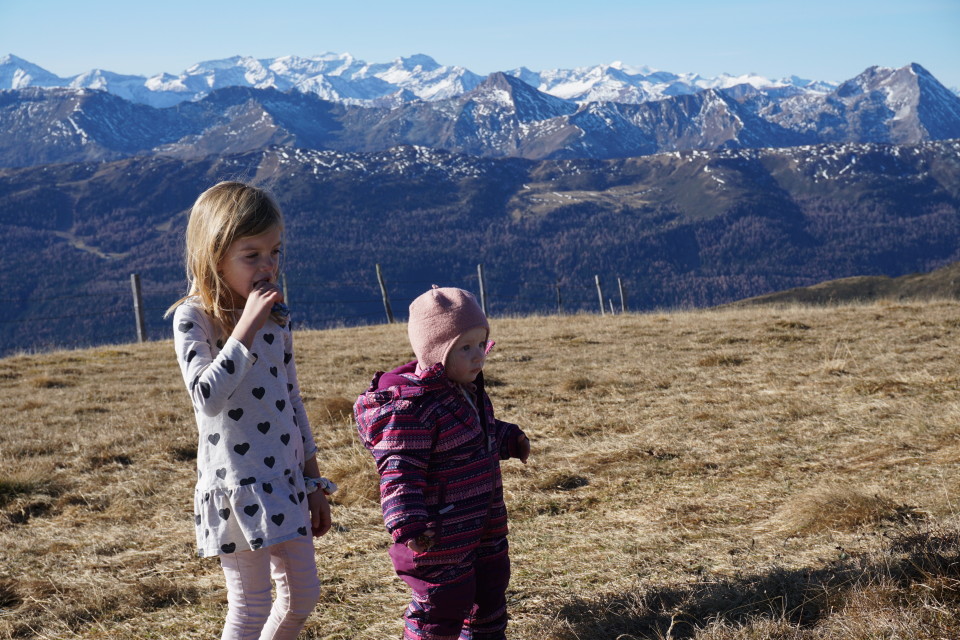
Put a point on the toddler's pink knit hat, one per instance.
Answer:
(437, 318)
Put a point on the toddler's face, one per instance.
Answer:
(466, 358)
(250, 260)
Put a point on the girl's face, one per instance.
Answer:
(250, 260)
(466, 358)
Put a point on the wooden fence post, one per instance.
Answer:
(138, 307)
(383, 293)
(559, 300)
(599, 293)
(483, 289)
(623, 300)
(283, 281)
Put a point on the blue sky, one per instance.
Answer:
(816, 39)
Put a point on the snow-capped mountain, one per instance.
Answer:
(617, 82)
(334, 77)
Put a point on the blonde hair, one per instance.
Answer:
(222, 214)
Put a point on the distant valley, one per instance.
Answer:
(684, 229)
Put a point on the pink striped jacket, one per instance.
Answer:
(438, 458)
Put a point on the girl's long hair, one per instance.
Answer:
(223, 213)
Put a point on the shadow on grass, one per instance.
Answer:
(922, 567)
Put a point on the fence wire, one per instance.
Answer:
(316, 304)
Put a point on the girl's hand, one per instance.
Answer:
(320, 520)
(257, 309)
(423, 542)
(261, 300)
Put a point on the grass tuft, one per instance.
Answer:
(836, 508)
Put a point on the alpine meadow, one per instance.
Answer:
(742, 473)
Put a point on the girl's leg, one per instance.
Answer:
(294, 569)
(248, 593)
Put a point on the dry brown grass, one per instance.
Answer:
(731, 474)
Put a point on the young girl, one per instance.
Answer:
(430, 427)
(256, 499)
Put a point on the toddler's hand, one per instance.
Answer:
(523, 448)
(423, 542)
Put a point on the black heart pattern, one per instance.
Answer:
(229, 366)
(300, 496)
(196, 518)
(205, 389)
(292, 498)
(285, 438)
(236, 414)
(251, 509)
(242, 448)
(213, 438)
(273, 371)
(263, 427)
(247, 481)
(221, 473)
(302, 531)
(224, 513)
(277, 519)
(219, 344)
(191, 355)
(286, 358)
(256, 543)
(281, 404)
(258, 393)
(268, 487)
(269, 461)
(268, 338)
(185, 325)
(228, 548)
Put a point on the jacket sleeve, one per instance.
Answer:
(296, 401)
(210, 380)
(401, 444)
(508, 434)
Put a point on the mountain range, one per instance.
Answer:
(691, 195)
(502, 116)
(343, 78)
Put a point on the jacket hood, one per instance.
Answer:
(405, 382)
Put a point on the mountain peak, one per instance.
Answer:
(421, 60)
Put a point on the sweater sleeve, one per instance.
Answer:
(299, 411)
(401, 445)
(211, 380)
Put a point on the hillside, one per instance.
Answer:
(762, 473)
(940, 284)
(680, 229)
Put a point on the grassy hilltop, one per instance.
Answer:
(728, 474)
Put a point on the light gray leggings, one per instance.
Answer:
(250, 614)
